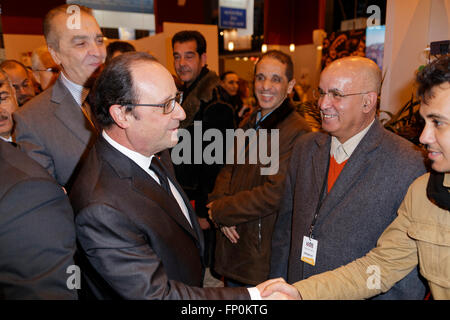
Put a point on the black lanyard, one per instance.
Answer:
(321, 198)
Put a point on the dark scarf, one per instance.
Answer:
(278, 115)
(187, 90)
(437, 192)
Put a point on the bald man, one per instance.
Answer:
(45, 69)
(344, 186)
(21, 81)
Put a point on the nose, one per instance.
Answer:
(427, 135)
(266, 84)
(95, 49)
(325, 102)
(178, 113)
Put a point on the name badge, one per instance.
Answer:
(309, 250)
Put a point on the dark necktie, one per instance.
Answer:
(159, 170)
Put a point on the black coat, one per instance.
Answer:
(137, 242)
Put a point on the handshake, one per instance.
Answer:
(278, 289)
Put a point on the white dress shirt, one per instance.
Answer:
(343, 151)
(78, 92)
(10, 139)
(144, 162)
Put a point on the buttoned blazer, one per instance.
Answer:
(37, 232)
(135, 237)
(52, 129)
(362, 203)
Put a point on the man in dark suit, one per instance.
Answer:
(37, 235)
(344, 188)
(137, 231)
(55, 128)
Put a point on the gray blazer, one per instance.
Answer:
(37, 232)
(52, 129)
(362, 203)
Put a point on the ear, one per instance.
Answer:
(291, 85)
(203, 59)
(370, 102)
(54, 55)
(119, 115)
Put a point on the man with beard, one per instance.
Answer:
(56, 128)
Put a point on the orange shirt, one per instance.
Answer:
(333, 172)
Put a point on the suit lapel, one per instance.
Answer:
(70, 113)
(353, 171)
(145, 185)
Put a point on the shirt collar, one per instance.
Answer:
(342, 151)
(78, 92)
(10, 139)
(141, 160)
(447, 180)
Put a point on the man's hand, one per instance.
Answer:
(204, 224)
(230, 233)
(275, 295)
(280, 290)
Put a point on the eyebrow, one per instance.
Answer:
(75, 38)
(436, 116)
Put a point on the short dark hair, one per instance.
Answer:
(432, 75)
(189, 35)
(50, 34)
(115, 86)
(121, 46)
(283, 58)
(224, 75)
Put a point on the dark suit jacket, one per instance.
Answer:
(362, 203)
(52, 129)
(134, 235)
(37, 233)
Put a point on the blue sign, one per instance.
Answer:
(233, 18)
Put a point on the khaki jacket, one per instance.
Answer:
(420, 235)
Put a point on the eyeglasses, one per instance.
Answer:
(334, 95)
(53, 70)
(167, 106)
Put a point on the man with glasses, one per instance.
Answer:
(18, 75)
(45, 69)
(138, 234)
(344, 188)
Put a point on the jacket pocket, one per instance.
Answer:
(433, 244)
